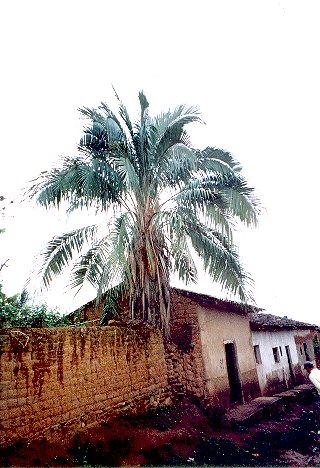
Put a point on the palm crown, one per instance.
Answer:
(164, 199)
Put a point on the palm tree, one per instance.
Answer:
(163, 200)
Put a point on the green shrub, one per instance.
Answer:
(16, 311)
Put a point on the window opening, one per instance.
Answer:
(276, 354)
(256, 349)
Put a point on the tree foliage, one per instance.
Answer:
(163, 200)
(16, 311)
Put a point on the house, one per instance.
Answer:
(214, 348)
(281, 346)
(210, 355)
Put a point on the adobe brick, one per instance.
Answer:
(83, 382)
(12, 402)
(75, 413)
(15, 413)
(3, 405)
(22, 401)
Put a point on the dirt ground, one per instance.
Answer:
(183, 435)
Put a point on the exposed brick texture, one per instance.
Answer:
(57, 381)
(191, 352)
(184, 353)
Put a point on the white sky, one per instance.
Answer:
(251, 66)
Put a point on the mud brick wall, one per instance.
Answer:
(57, 381)
(184, 353)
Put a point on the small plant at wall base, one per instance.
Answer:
(15, 311)
(163, 200)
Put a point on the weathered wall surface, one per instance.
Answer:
(184, 353)
(202, 368)
(218, 329)
(56, 381)
(276, 376)
(304, 344)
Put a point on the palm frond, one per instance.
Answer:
(90, 266)
(111, 116)
(124, 114)
(220, 259)
(207, 203)
(61, 250)
(104, 264)
(217, 160)
(241, 199)
(166, 119)
(174, 134)
(128, 175)
(79, 183)
(183, 262)
(115, 266)
(113, 307)
(143, 105)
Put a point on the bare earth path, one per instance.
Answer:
(183, 436)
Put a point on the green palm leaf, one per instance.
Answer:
(60, 251)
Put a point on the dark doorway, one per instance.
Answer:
(293, 380)
(233, 374)
(305, 347)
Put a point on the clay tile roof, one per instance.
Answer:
(206, 301)
(221, 304)
(267, 321)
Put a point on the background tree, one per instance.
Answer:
(162, 198)
(17, 311)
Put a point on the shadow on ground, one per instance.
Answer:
(182, 435)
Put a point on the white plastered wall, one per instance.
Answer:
(269, 369)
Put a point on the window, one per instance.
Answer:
(280, 350)
(257, 354)
(276, 354)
